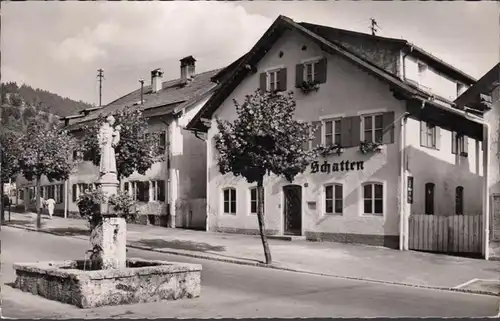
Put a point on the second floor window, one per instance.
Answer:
(332, 134)
(459, 144)
(272, 80)
(429, 135)
(373, 128)
(310, 72)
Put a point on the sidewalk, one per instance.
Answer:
(334, 259)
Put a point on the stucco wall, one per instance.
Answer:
(446, 170)
(348, 91)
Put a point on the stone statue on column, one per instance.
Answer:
(108, 138)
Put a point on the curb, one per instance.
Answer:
(258, 264)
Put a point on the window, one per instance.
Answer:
(429, 135)
(253, 200)
(373, 128)
(334, 199)
(459, 144)
(51, 191)
(272, 80)
(459, 200)
(21, 194)
(59, 193)
(43, 191)
(229, 201)
(141, 190)
(158, 188)
(310, 72)
(332, 132)
(373, 196)
(88, 155)
(429, 198)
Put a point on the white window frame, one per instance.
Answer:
(373, 130)
(384, 199)
(333, 199)
(229, 188)
(153, 190)
(430, 131)
(256, 202)
(324, 134)
(272, 74)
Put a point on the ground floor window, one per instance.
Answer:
(254, 200)
(459, 200)
(80, 188)
(429, 198)
(158, 190)
(373, 197)
(229, 195)
(145, 191)
(21, 195)
(333, 199)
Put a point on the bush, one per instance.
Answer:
(89, 205)
(123, 205)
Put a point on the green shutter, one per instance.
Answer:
(345, 132)
(299, 75)
(355, 131)
(321, 70)
(282, 79)
(263, 82)
(317, 134)
(388, 124)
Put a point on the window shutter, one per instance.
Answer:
(355, 131)
(73, 192)
(299, 75)
(438, 137)
(345, 131)
(282, 79)
(466, 144)
(317, 134)
(453, 142)
(388, 123)
(321, 70)
(423, 137)
(263, 82)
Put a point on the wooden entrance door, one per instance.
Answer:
(292, 209)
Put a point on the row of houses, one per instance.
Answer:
(434, 186)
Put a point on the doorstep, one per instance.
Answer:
(287, 237)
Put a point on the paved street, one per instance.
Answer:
(230, 290)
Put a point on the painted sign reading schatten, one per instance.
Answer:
(343, 166)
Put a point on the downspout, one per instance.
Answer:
(167, 187)
(402, 176)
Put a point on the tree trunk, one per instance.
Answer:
(37, 204)
(262, 224)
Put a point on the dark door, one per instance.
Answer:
(292, 209)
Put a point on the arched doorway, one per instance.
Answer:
(292, 209)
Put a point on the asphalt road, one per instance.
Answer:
(230, 290)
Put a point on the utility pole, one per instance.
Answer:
(100, 75)
(373, 26)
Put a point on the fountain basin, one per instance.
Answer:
(141, 281)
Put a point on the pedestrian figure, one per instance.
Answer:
(50, 206)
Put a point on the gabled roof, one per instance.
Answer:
(246, 64)
(336, 35)
(476, 96)
(173, 94)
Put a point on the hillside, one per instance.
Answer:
(20, 104)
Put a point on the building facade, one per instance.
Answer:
(430, 159)
(172, 192)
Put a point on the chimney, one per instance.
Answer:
(187, 69)
(156, 78)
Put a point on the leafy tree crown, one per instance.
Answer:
(265, 138)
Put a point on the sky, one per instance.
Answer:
(58, 46)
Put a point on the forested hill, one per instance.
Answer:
(40, 99)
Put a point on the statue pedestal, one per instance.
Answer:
(109, 236)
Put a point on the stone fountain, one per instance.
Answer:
(109, 278)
